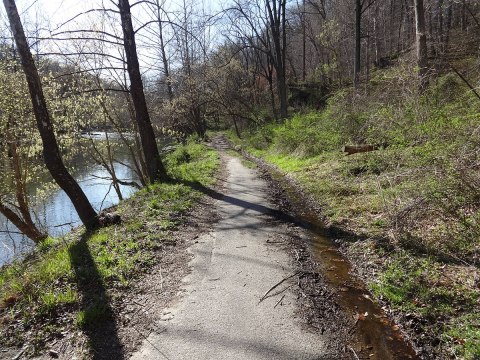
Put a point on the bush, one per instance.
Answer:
(307, 135)
(261, 138)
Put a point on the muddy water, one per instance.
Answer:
(375, 336)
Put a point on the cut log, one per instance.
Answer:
(353, 149)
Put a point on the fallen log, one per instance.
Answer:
(353, 149)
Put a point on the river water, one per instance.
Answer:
(56, 213)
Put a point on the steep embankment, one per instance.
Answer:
(407, 214)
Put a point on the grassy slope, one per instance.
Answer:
(43, 295)
(416, 200)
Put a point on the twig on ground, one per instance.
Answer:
(279, 301)
(353, 326)
(151, 343)
(278, 284)
(275, 242)
(19, 355)
(161, 279)
(139, 303)
(354, 353)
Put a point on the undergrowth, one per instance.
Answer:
(420, 191)
(69, 281)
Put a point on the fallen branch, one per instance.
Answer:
(353, 149)
(19, 355)
(465, 81)
(277, 285)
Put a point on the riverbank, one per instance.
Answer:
(84, 294)
(406, 215)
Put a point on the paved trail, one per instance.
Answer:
(219, 316)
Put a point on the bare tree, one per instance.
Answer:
(277, 22)
(155, 169)
(51, 151)
(421, 44)
(262, 25)
(360, 7)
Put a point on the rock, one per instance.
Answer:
(108, 219)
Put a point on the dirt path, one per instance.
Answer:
(219, 315)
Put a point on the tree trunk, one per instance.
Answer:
(375, 32)
(110, 167)
(237, 130)
(448, 26)
(283, 83)
(163, 54)
(367, 63)
(31, 231)
(272, 93)
(51, 151)
(431, 35)
(421, 45)
(155, 168)
(358, 39)
(304, 43)
(24, 222)
(400, 26)
(276, 14)
(441, 34)
(463, 26)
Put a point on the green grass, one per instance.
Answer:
(76, 277)
(421, 285)
(464, 333)
(419, 193)
(92, 315)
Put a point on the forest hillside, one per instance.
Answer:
(395, 171)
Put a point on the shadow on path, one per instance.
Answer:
(274, 213)
(241, 345)
(96, 317)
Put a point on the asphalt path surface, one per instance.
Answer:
(218, 314)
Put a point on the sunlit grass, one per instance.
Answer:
(418, 193)
(53, 280)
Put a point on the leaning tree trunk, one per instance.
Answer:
(421, 45)
(51, 151)
(24, 222)
(30, 230)
(155, 168)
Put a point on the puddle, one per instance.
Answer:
(375, 336)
